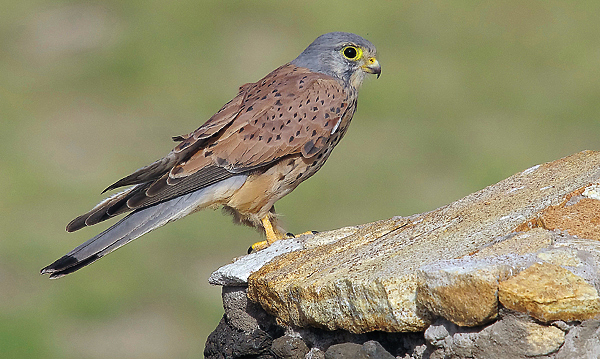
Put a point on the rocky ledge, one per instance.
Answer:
(511, 271)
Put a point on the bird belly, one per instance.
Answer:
(262, 189)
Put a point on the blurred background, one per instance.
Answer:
(471, 93)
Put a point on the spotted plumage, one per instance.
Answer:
(257, 148)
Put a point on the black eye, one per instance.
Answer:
(350, 52)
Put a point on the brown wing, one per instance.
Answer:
(189, 143)
(157, 173)
(290, 111)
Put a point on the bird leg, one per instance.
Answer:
(271, 233)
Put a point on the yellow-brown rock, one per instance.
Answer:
(465, 293)
(366, 281)
(519, 243)
(542, 340)
(549, 292)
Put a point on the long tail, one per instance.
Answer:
(137, 224)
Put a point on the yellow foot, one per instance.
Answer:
(272, 236)
(264, 244)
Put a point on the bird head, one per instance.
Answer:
(343, 55)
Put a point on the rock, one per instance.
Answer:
(345, 351)
(289, 348)
(515, 337)
(243, 314)
(549, 292)
(512, 337)
(530, 241)
(237, 273)
(436, 335)
(367, 280)
(315, 353)
(578, 218)
(561, 257)
(430, 286)
(374, 350)
(245, 330)
(464, 291)
(542, 340)
(582, 342)
(228, 342)
(369, 350)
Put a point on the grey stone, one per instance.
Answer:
(289, 348)
(237, 273)
(315, 353)
(245, 330)
(229, 342)
(514, 336)
(242, 313)
(345, 351)
(582, 342)
(369, 350)
(374, 350)
(435, 335)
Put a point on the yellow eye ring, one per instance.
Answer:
(352, 52)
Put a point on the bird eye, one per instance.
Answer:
(352, 52)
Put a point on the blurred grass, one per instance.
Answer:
(471, 92)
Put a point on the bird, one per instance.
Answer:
(257, 148)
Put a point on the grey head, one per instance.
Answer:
(342, 55)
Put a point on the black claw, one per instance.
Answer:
(290, 235)
(315, 232)
(250, 249)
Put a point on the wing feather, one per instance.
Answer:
(290, 111)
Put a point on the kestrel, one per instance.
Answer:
(273, 135)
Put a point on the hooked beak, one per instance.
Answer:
(372, 66)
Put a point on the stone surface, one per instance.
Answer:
(464, 291)
(512, 336)
(228, 342)
(579, 217)
(549, 292)
(530, 241)
(346, 350)
(245, 330)
(289, 348)
(515, 336)
(582, 342)
(542, 340)
(237, 273)
(315, 353)
(366, 281)
(369, 350)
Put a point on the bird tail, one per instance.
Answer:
(137, 224)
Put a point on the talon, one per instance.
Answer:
(258, 246)
(290, 235)
(305, 233)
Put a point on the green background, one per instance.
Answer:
(471, 93)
